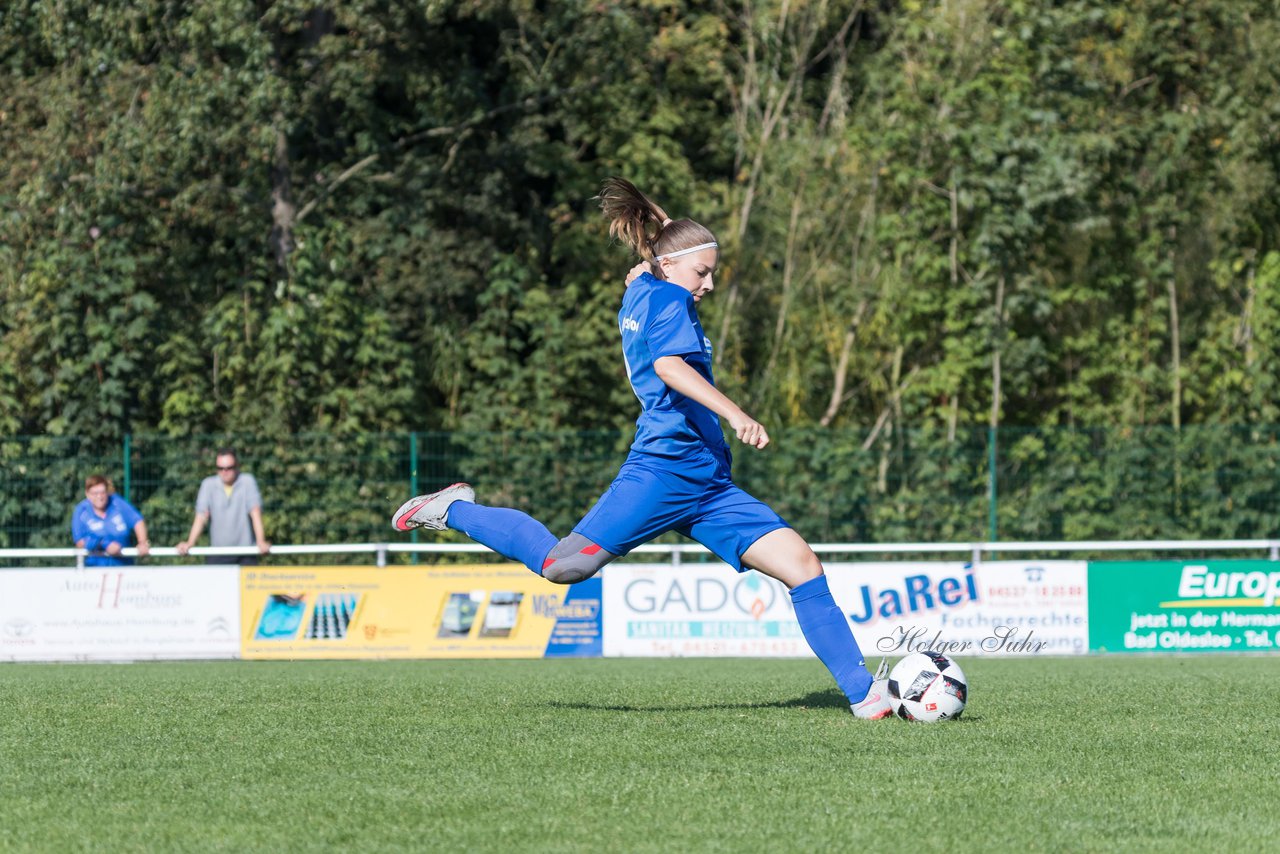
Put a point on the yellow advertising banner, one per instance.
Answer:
(489, 611)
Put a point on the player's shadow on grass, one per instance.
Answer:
(829, 699)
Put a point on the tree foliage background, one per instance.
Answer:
(369, 216)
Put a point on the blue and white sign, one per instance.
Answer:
(996, 608)
(704, 609)
(893, 608)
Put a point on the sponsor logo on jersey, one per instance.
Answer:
(629, 324)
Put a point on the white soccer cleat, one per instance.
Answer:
(430, 511)
(875, 705)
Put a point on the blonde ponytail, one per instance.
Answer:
(642, 225)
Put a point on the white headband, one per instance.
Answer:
(688, 251)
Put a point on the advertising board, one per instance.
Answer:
(119, 613)
(996, 608)
(490, 611)
(1184, 606)
(697, 610)
(999, 608)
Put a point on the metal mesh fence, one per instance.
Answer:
(833, 486)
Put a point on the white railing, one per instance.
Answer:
(974, 551)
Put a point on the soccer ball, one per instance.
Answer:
(927, 687)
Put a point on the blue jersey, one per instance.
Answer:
(661, 319)
(98, 532)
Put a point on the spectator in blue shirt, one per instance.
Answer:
(102, 522)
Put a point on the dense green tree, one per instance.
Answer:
(937, 218)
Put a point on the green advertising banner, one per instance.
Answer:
(1184, 606)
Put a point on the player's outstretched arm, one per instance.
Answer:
(677, 374)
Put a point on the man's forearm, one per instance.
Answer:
(197, 525)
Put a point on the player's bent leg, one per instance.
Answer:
(574, 559)
(519, 536)
(783, 554)
(510, 533)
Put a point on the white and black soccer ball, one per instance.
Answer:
(927, 687)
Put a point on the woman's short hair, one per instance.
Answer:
(98, 480)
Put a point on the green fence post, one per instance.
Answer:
(413, 483)
(992, 499)
(128, 468)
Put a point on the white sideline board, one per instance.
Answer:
(1014, 607)
(120, 613)
(998, 608)
(697, 610)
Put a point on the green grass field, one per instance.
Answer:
(1091, 754)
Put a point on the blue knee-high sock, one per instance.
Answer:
(827, 630)
(510, 533)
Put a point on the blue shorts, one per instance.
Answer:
(652, 495)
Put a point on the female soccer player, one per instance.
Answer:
(677, 474)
